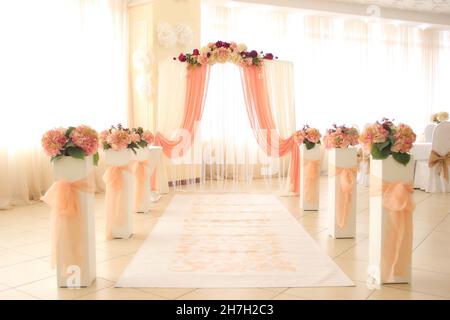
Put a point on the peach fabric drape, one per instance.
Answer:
(398, 235)
(311, 173)
(139, 172)
(196, 87)
(261, 119)
(114, 197)
(443, 162)
(67, 230)
(347, 180)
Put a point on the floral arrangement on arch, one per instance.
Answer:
(384, 138)
(341, 137)
(308, 136)
(222, 52)
(119, 138)
(77, 142)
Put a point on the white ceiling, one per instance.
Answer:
(435, 13)
(435, 6)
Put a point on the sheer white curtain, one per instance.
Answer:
(63, 62)
(232, 158)
(346, 70)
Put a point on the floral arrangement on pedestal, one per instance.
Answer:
(341, 137)
(77, 142)
(308, 136)
(145, 139)
(222, 52)
(119, 138)
(384, 138)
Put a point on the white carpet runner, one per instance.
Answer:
(230, 240)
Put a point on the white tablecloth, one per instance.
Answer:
(421, 151)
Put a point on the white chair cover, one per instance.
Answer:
(428, 132)
(427, 178)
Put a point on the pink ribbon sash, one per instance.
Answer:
(114, 197)
(397, 244)
(67, 228)
(311, 173)
(139, 173)
(347, 180)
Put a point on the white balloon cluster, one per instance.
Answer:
(142, 63)
(169, 36)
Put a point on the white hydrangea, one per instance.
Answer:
(185, 35)
(142, 60)
(167, 36)
(241, 47)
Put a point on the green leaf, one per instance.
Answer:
(382, 145)
(106, 146)
(402, 158)
(96, 158)
(378, 154)
(142, 144)
(69, 131)
(308, 144)
(76, 153)
(70, 144)
(56, 158)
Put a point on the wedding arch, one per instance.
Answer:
(258, 106)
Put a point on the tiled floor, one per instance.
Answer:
(25, 271)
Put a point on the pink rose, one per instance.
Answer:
(148, 137)
(222, 54)
(119, 139)
(203, 59)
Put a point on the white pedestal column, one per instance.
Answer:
(152, 155)
(340, 158)
(123, 158)
(309, 155)
(71, 169)
(387, 170)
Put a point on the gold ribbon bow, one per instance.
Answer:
(67, 229)
(441, 161)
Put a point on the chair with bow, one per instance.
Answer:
(433, 175)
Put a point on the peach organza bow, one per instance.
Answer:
(441, 161)
(312, 171)
(139, 173)
(362, 157)
(397, 243)
(66, 224)
(114, 198)
(347, 180)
